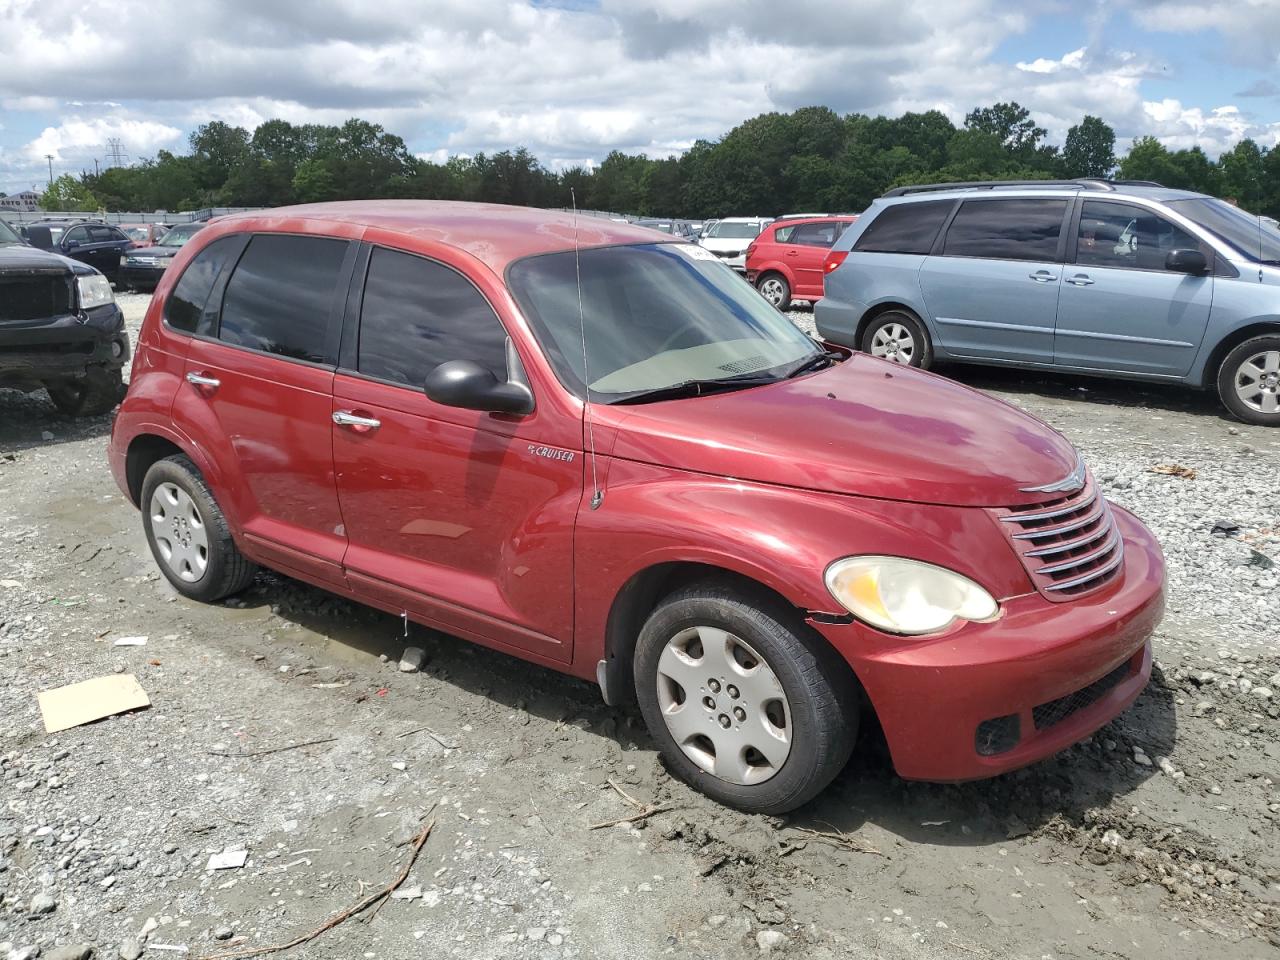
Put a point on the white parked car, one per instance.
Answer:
(729, 238)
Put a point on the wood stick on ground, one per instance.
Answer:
(626, 796)
(644, 814)
(431, 733)
(839, 839)
(262, 753)
(337, 918)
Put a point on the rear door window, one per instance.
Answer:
(418, 314)
(1015, 229)
(190, 297)
(280, 297)
(905, 228)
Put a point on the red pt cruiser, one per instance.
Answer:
(610, 456)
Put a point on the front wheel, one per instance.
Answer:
(89, 395)
(745, 704)
(899, 337)
(774, 288)
(1249, 381)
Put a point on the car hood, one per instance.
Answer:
(156, 252)
(865, 427)
(22, 259)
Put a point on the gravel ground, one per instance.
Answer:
(1158, 837)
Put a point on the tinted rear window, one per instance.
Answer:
(185, 305)
(1006, 229)
(905, 227)
(279, 298)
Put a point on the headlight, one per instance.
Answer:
(906, 596)
(124, 261)
(94, 291)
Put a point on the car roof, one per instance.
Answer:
(743, 219)
(495, 234)
(1102, 190)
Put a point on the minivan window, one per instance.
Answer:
(1242, 230)
(418, 314)
(1017, 229)
(279, 298)
(1123, 235)
(187, 302)
(905, 228)
(656, 316)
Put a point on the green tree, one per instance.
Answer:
(1090, 149)
(1244, 175)
(68, 193)
(1011, 124)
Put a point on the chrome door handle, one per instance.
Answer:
(1079, 280)
(1042, 276)
(345, 418)
(200, 380)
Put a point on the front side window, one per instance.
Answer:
(656, 316)
(1248, 233)
(905, 228)
(1015, 229)
(190, 296)
(77, 235)
(1123, 235)
(418, 314)
(280, 296)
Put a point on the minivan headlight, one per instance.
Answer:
(907, 596)
(94, 290)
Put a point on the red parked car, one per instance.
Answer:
(759, 537)
(786, 261)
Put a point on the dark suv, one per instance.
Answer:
(100, 245)
(60, 328)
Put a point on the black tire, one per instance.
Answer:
(818, 686)
(921, 350)
(1236, 366)
(779, 291)
(91, 395)
(227, 570)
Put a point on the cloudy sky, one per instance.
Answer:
(574, 79)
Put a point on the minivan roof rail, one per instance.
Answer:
(1084, 183)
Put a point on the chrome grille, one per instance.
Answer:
(1069, 545)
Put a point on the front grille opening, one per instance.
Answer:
(33, 298)
(997, 735)
(1055, 711)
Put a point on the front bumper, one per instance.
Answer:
(141, 275)
(1040, 678)
(63, 346)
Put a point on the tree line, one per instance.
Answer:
(810, 160)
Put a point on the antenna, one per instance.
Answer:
(597, 495)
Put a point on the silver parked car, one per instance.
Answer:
(1110, 278)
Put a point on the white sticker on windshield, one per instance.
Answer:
(694, 252)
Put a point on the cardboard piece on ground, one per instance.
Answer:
(228, 859)
(80, 703)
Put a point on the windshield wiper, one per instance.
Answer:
(825, 358)
(694, 388)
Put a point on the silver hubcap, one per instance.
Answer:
(772, 290)
(893, 342)
(1258, 382)
(179, 532)
(723, 705)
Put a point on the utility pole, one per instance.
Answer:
(49, 157)
(95, 167)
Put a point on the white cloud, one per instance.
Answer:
(1069, 61)
(77, 138)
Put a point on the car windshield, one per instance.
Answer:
(180, 234)
(735, 231)
(1244, 231)
(656, 316)
(135, 233)
(8, 234)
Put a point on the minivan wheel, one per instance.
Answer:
(1249, 381)
(188, 533)
(899, 337)
(89, 395)
(774, 288)
(745, 704)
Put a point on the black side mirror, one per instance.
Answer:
(466, 384)
(1186, 261)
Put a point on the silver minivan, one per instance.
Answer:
(1111, 278)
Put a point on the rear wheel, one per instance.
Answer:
(745, 705)
(774, 288)
(188, 533)
(1249, 381)
(899, 337)
(89, 395)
